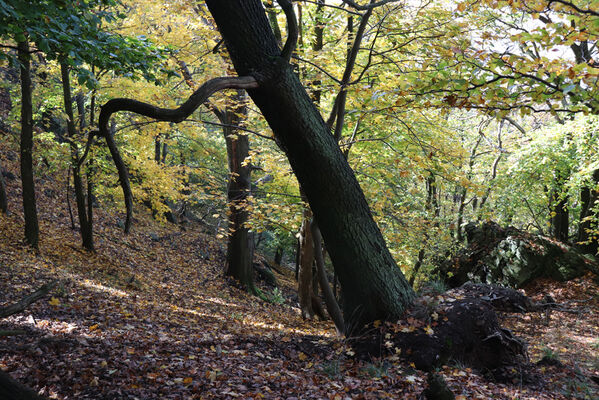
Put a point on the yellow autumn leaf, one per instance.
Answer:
(188, 380)
(54, 302)
(93, 327)
(429, 330)
(302, 356)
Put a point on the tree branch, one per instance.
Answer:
(163, 114)
(292, 29)
(26, 301)
(370, 6)
(575, 7)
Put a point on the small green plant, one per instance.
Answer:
(331, 369)
(548, 353)
(578, 387)
(433, 287)
(377, 370)
(237, 315)
(276, 296)
(60, 290)
(595, 344)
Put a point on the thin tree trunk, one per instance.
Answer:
(3, 197)
(494, 167)
(80, 195)
(329, 297)
(431, 205)
(306, 260)
(308, 280)
(279, 254)
(559, 212)
(68, 198)
(560, 217)
(588, 241)
(464, 192)
(26, 147)
(240, 249)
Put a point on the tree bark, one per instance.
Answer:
(26, 147)
(240, 248)
(587, 241)
(373, 286)
(85, 225)
(329, 297)
(306, 259)
(559, 212)
(3, 197)
(463, 191)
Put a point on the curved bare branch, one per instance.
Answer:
(163, 114)
(292, 29)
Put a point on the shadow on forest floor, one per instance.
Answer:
(155, 319)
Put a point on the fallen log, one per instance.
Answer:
(26, 301)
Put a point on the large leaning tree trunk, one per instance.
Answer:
(372, 284)
(373, 287)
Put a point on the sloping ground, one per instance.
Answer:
(149, 316)
(567, 336)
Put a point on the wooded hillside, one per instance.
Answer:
(299, 199)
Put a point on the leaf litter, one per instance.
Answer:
(150, 316)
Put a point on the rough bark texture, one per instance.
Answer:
(372, 284)
(26, 146)
(3, 198)
(513, 258)
(240, 248)
(304, 283)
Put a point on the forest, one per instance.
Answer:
(299, 199)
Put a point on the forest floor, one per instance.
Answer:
(150, 316)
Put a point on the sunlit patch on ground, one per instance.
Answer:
(154, 320)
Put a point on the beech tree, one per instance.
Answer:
(75, 36)
(373, 287)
